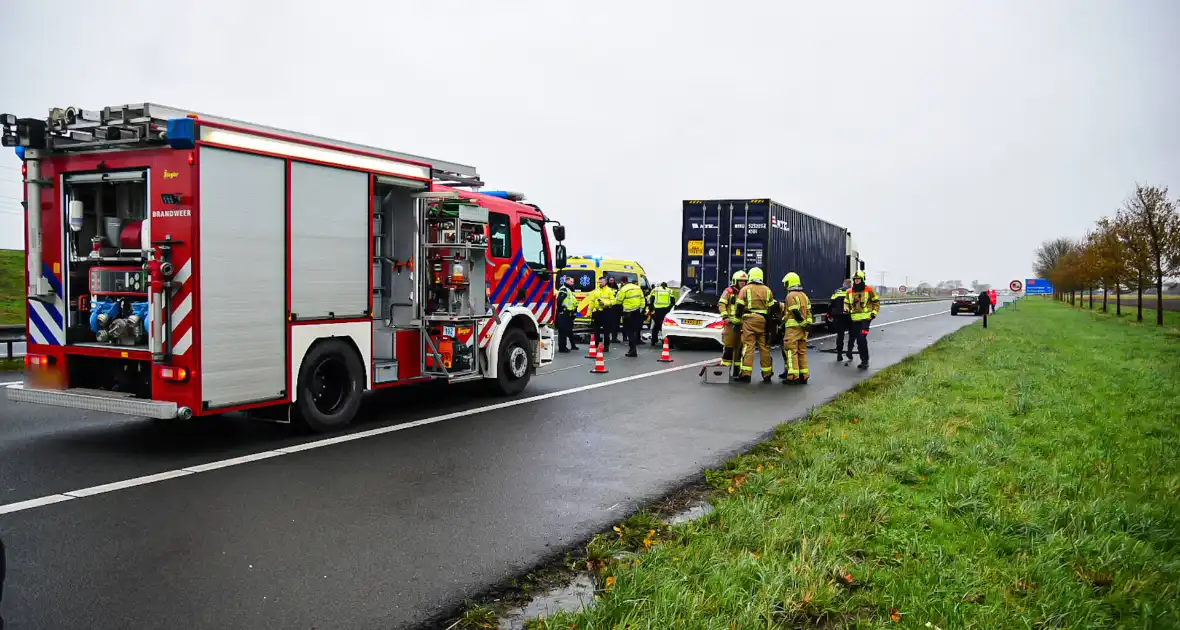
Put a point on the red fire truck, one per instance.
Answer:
(183, 265)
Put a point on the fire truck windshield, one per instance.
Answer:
(532, 244)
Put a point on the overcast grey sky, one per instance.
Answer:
(924, 127)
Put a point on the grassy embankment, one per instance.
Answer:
(1027, 475)
(12, 293)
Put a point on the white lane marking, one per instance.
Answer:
(33, 503)
(360, 435)
(13, 383)
(226, 463)
(568, 367)
(126, 483)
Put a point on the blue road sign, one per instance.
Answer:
(1037, 286)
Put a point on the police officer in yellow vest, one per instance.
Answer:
(753, 307)
(797, 319)
(731, 334)
(601, 301)
(630, 297)
(659, 303)
(567, 310)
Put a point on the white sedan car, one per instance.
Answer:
(695, 317)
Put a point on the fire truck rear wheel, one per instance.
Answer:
(331, 385)
(515, 369)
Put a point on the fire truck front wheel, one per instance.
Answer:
(331, 384)
(515, 368)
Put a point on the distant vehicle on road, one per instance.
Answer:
(964, 303)
(695, 317)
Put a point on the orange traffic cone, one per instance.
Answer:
(599, 363)
(592, 353)
(666, 355)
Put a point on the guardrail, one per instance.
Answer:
(10, 334)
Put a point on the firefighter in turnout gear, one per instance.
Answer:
(731, 334)
(753, 303)
(567, 310)
(631, 301)
(863, 307)
(601, 300)
(838, 313)
(659, 303)
(796, 319)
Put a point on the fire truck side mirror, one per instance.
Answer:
(561, 257)
(559, 233)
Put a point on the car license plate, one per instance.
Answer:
(692, 322)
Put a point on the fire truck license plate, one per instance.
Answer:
(448, 331)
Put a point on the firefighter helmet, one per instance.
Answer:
(756, 274)
(791, 280)
(739, 276)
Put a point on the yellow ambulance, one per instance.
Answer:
(586, 270)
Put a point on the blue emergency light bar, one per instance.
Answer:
(182, 133)
(503, 194)
(20, 153)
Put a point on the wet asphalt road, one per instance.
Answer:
(386, 531)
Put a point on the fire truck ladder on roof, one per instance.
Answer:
(124, 126)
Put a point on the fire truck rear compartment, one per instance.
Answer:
(124, 376)
(107, 303)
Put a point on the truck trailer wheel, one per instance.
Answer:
(515, 368)
(331, 383)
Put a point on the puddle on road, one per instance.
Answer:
(579, 593)
(569, 598)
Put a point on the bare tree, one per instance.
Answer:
(1152, 225)
(1050, 253)
(1048, 259)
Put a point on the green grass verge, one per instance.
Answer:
(1027, 475)
(12, 290)
(15, 365)
(1171, 318)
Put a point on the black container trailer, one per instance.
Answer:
(722, 236)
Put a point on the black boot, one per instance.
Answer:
(766, 378)
(864, 365)
(839, 356)
(742, 378)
